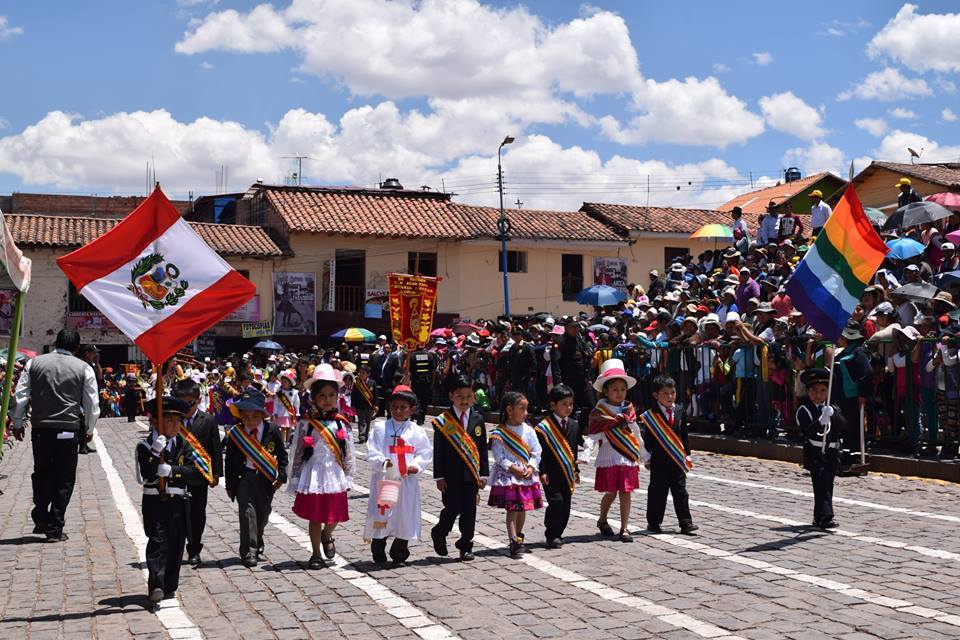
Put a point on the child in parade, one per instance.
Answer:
(822, 426)
(460, 466)
(286, 407)
(560, 439)
(164, 467)
(364, 402)
(664, 432)
(322, 465)
(256, 466)
(346, 397)
(613, 425)
(399, 450)
(514, 478)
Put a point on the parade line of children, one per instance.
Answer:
(527, 464)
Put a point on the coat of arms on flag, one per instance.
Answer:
(156, 279)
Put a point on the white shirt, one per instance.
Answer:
(769, 229)
(90, 400)
(503, 461)
(819, 214)
(257, 435)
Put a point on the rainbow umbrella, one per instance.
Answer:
(713, 232)
(355, 334)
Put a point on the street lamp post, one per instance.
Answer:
(503, 227)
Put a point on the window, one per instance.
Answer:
(516, 261)
(671, 253)
(571, 274)
(77, 303)
(427, 266)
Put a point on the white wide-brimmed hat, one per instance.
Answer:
(323, 372)
(612, 369)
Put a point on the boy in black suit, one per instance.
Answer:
(256, 466)
(204, 428)
(460, 466)
(560, 438)
(665, 436)
(822, 426)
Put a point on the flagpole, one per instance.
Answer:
(11, 361)
(833, 357)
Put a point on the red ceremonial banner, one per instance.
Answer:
(413, 300)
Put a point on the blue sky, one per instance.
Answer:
(704, 96)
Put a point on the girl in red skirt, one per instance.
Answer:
(613, 425)
(322, 464)
(514, 474)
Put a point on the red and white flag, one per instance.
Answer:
(12, 261)
(156, 279)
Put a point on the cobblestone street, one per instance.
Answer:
(756, 569)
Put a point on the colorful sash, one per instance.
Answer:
(364, 391)
(214, 399)
(456, 434)
(199, 455)
(329, 436)
(285, 401)
(619, 435)
(660, 429)
(262, 461)
(513, 443)
(550, 431)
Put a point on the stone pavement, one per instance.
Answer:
(755, 571)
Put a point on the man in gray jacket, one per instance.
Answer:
(58, 387)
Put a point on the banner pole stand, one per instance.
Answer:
(11, 362)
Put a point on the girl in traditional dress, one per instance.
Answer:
(322, 465)
(515, 472)
(286, 407)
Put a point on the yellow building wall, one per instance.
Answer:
(877, 189)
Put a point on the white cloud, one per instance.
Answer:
(207, 66)
(786, 112)
(887, 85)
(6, 30)
(947, 115)
(920, 42)
(692, 111)
(720, 67)
(762, 58)
(903, 114)
(873, 126)
(840, 28)
(817, 157)
(894, 145)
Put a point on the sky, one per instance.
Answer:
(681, 103)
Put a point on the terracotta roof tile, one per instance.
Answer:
(626, 218)
(58, 232)
(946, 173)
(57, 204)
(756, 201)
(532, 224)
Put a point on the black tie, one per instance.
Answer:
(563, 425)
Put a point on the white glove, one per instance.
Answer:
(164, 470)
(825, 414)
(158, 445)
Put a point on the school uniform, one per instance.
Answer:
(204, 428)
(559, 465)
(252, 486)
(165, 509)
(459, 458)
(822, 464)
(364, 401)
(665, 437)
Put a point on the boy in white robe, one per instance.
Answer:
(399, 449)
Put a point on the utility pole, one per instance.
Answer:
(503, 227)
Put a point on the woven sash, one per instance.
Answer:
(456, 434)
(556, 441)
(513, 443)
(261, 459)
(659, 428)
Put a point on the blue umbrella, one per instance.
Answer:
(600, 295)
(904, 248)
(270, 345)
(942, 280)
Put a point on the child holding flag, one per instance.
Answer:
(613, 425)
(560, 438)
(256, 466)
(322, 465)
(665, 437)
(399, 449)
(516, 462)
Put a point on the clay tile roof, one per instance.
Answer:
(64, 204)
(756, 201)
(532, 224)
(946, 173)
(367, 212)
(629, 218)
(58, 232)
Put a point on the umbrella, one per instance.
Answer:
(355, 334)
(713, 232)
(443, 332)
(954, 237)
(22, 355)
(466, 328)
(598, 328)
(948, 279)
(904, 248)
(947, 199)
(269, 345)
(916, 213)
(916, 291)
(601, 295)
(876, 216)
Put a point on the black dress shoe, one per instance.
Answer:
(250, 561)
(654, 528)
(156, 595)
(316, 562)
(829, 524)
(57, 537)
(516, 547)
(40, 529)
(605, 528)
(554, 544)
(194, 560)
(466, 556)
(624, 536)
(439, 544)
(689, 529)
(170, 595)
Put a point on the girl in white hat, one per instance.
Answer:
(286, 408)
(613, 425)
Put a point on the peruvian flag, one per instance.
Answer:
(156, 279)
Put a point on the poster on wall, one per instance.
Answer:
(611, 272)
(376, 303)
(6, 311)
(249, 312)
(413, 299)
(294, 310)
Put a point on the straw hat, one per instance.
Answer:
(612, 369)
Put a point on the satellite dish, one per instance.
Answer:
(914, 155)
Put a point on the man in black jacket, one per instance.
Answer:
(560, 438)
(575, 357)
(460, 466)
(204, 428)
